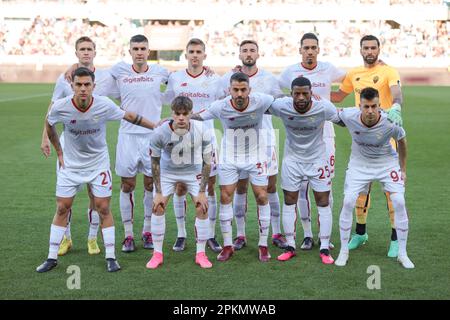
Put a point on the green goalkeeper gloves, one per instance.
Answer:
(395, 114)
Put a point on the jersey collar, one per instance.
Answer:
(82, 110)
(132, 67)
(234, 107)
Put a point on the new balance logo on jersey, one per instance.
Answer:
(184, 84)
(73, 121)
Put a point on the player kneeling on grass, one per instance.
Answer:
(84, 159)
(185, 148)
(374, 159)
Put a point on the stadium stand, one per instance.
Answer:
(39, 28)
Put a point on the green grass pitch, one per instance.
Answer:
(27, 205)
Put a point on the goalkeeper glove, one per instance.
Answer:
(395, 114)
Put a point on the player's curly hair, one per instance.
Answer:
(182, 104)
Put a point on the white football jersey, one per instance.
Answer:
(321, 77)
(140, 93)
(104, 86)
(304, 132)
(181, 154)
(85, 147)
(243, 138)
(264, 82)
(371, 145)
(203, 90)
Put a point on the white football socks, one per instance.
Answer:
(226, 217)
(148, 205)
(202, 231)
(179, 208)
(240, 212)
(56, 236)
(109, 239)
(289, 219)
(126, 211)
(275, 216)
(304, 206)
(158, 231)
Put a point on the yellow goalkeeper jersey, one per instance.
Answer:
(380, 77)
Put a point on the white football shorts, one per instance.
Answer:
(133, 155)
(68, 183)
(358, 177)
(318, 174)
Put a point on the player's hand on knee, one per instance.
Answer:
(158, 203)
(202, 202)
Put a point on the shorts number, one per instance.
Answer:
(322, 172)
(262, 167)
(332, 161)
(394, 176)
(105, 176)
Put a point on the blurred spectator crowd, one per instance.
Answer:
(56, 36)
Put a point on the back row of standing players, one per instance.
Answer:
(138, 88)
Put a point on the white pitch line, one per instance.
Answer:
(25, 97)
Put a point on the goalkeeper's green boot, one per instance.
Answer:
(393, 249)
(357, 240)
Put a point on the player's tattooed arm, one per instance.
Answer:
(138, 120)
(54, 139)
(196, 116)
(206, 170)
(156, 172)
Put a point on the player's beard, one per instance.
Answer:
(371, 60)
(240, 102)
(249, 64)
(303, 106)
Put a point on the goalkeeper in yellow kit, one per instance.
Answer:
(387, 81)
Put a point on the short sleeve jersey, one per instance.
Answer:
(242, 137)
(85, 147)
(263, 82)
(321, 77)
(304, 132)
(371, 145)
(140, 93)
(181, 154)
(203, 90)
(380, 77)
